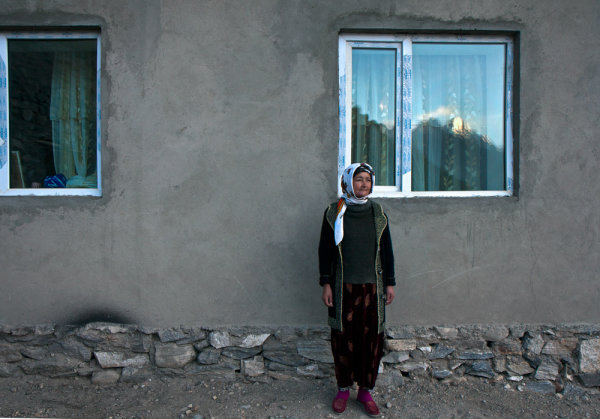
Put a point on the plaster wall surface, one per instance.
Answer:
(219, 151)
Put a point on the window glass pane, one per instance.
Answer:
(458, 117)
(373, 110)
(52, 113)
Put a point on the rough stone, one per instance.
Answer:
(22, 331)
(8, 370)
(400, 345)
(412, 366)
(276, 366)
(91, 336)
(447, 332)
(573, 390)
(547, 370)
(192, 335)
(533, 359)
(43, 329)
(171, 355)
(230, 363)
(72, 347)
(219, 339)
(120, 340)
(311, 370)
(480, 369)
(590, 380)
(34, 352)
(253, 367)
(544, 387)
(455, 363)
(111, 328)
(27, 335)
(499, 364)
(285, 357)
(494, 333)
(135, 375)
(417, 355)
(85, 370)
(141, 344)
(426, 333)
(518, 366)
(315, 350)
(560, 347)
(507, 347)
(252, 341)
(400, 332)
(469, 344)
(440, 351)
(209, 356)
(518, 330)
(58, 364)
(440, 374)
(390, 379)
(584, 329)
(9, 353)
(476, 354)
(533, 343)
(395, 357)
(170, 335)
(104, 377)
(589, 356)
(200, 345)
(241, 353)
(120, 359)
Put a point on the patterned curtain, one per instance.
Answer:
(73, 115)
(373, 109)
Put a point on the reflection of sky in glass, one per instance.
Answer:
(460, 80)
(374, 83)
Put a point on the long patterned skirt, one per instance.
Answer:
(358, 348)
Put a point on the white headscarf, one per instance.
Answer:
(348, 196)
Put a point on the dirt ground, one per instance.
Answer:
(196, 398)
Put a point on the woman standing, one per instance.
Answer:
(356, 264)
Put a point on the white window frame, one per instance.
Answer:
(5, 189)
(403, 45)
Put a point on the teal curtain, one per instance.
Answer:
(73, 115)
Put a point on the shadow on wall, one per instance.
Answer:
(98, 315)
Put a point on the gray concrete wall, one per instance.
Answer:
(219, 153)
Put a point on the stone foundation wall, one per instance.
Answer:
(539, 358)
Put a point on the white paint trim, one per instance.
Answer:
(379, 193)
(4, 171)
(404, 108)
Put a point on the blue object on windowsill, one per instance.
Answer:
(57, 181)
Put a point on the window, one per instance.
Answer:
(431, 114)
(50, 114)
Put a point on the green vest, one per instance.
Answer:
(380, 223)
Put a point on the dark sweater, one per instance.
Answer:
(358, 245)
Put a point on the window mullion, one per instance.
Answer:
(405, 123)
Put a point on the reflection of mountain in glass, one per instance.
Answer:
(453, 157)
(374, 143)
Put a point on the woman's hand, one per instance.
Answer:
(389, 295)
(327, 295)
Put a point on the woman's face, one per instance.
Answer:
(361, 184)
